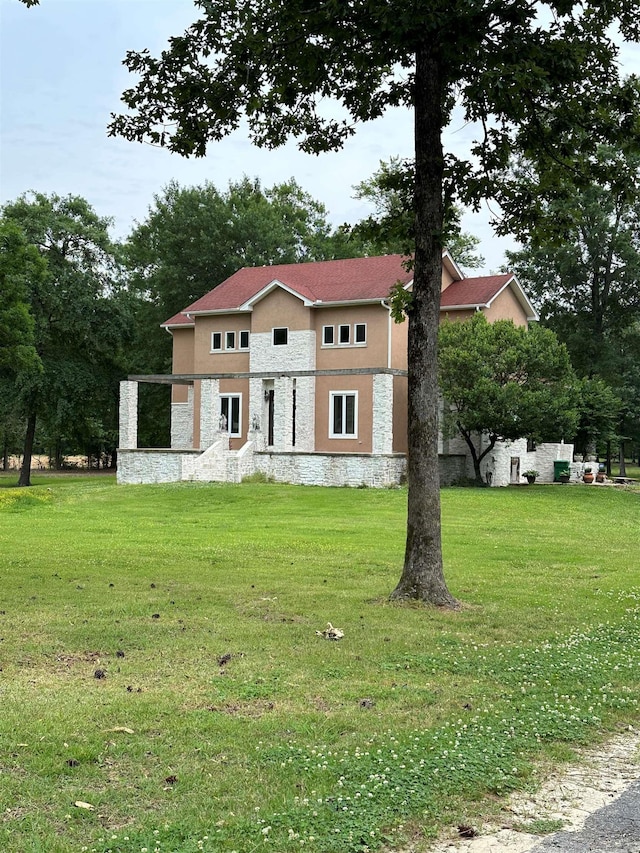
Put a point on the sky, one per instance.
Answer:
(61, 76)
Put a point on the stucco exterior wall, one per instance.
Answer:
(223, 360)
(374, 353)
(506, 307)
(456, 316)
(363, 386)
(183, 355)
(280, 308)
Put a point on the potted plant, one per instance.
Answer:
(531, 475)
(601, 475)
(587, 477)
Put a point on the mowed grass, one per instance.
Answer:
(224, 722)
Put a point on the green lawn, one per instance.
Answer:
(223, 722)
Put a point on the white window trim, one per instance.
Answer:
(228, 396)
(216, 349)
(227, 348)
(246, 332)
(332, 396)
(340, 343)
(273, 330)
(359, 343)
(333, 342)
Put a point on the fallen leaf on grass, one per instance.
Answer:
(81, 805)
(125, 729)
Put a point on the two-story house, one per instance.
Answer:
(299, 371)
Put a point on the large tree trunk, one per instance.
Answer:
(25, 470)
(423, 577)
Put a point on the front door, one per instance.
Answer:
(515, 470)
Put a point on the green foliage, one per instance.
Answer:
(80, 323)
(20, 265)
(599, 414)
(391, 229)
(582, 267)
(505, 380)
(226, 714)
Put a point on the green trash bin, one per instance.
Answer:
(560, 466)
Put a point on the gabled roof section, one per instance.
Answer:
(351, 280)
(482, 291)
(272, 286)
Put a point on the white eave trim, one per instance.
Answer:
(247, 306)
(210, 311)
(169, 326)
(452, 267)
(348, 302)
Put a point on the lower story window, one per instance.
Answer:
(230, 418)
(343, 414)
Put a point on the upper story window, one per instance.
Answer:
(232, 340)
(280, 336)
(347, 335)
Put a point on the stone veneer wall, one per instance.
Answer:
(382, 413)
(182, 422)
(298, 354)
(332, 469)
(128, 415)
(153, 466)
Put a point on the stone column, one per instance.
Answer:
(305, 414)
(128, 438)
(382, 439)
(209, 412)
(283, 413)
(257, 420)
(182, 422)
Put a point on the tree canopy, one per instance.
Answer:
(581, 265)
(507, 382)
(390, 229)
(519, 69)
(79, 324)
(20, 266)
